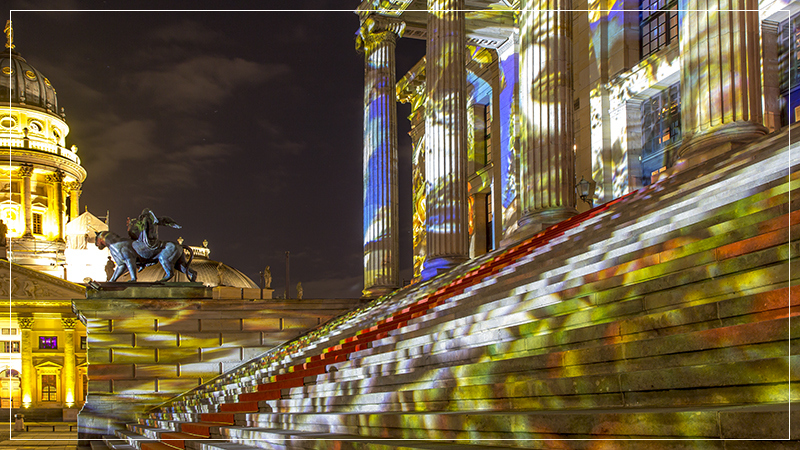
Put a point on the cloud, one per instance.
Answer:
(186, 166)
(278, 140)
(200, 82)
(186, 31)
(115, 142)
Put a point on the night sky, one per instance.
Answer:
(244, 127)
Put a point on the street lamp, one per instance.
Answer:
(583, 187)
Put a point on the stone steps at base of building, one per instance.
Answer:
(576, 443)
(752, 422)
(282, 440)
(103, 445)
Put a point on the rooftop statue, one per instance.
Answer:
(144, 232)
(145, 249)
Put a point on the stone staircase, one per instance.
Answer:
(659, 320)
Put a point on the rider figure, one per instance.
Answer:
(144, 232)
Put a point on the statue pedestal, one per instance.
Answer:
(150, 342)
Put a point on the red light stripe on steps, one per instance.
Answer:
(217, 418)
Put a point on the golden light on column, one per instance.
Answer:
(720, 76)
(69, 361)
(28, 375)
(546, 157)
(447, 236)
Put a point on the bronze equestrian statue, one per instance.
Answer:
(145, 249)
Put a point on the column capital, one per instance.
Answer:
(25, 323)
(68, 323)
(25, 170)
(73, 185)
(56, 177)
(376, 29)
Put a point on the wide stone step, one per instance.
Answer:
(761, 422)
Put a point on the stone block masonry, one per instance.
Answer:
(148, 343)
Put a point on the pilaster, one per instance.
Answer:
(28, 381)
(377, 39)
(68, 324)
(446, 138)
(771, 75)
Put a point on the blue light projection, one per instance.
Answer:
(377, 39)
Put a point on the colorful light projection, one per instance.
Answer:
(445, 138)
(720, 74)
(376, 38)
(547, 164)
(509, 91)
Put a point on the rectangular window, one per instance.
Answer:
(48, 343)
(49, 390)
(658, 25)
(83, 342)
(10, 346)
(661, 129)
(37, 223)
(9, 331)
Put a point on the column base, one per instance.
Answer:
(533, 222)
(437, 266)
(706, 145)
(377, 291)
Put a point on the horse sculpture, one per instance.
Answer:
(169, 254)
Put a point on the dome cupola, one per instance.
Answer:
(21, 84)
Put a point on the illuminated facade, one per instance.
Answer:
(516, 101)
(42, 178)
(43, 353)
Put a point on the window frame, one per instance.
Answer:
(658, 13)
(43, 343)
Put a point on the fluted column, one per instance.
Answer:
(720, 76)
(547, 163)
(57, 178)
(28, 381)
(74, 199)
(26, 172)
(69, 361)
(446, 218)
(377, 39)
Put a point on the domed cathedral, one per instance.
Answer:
(40, 177)
(42, 344)
(209, 272)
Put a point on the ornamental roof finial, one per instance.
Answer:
(9, 31)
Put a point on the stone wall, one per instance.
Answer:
(149, 343)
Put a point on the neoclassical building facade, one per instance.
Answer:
(41, 176)
(525, 113)
(43, 353)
